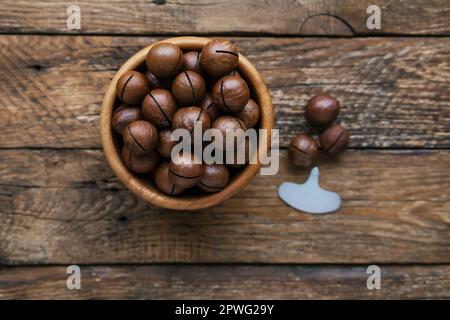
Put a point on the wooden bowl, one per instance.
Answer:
(146, 190)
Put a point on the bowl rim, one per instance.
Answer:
(148, 192)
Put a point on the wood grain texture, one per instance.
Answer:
(394, 91)
(346, 17)
(61, 204)
(66, 206)
(226, 282)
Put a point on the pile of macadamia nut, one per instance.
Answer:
(176, 90)
(321, 113)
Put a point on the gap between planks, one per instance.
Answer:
(225, 34)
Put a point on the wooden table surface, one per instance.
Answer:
(60, 204)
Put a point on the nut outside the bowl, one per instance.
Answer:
(148, 191)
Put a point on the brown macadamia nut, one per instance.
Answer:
(123, 116)
(186, 117)
(242, 154)
(165, 144)
(141, 137)
(225, 123)
(139, 163)
(187, 171)
(303, 151)
(188, 88)
(164, 60)
(191, 62)
(163, 181)
(156, 83)
(158, 107)
(215, 178)
(131, 87)
(219, 57)
(322, 110)
(334, 140)
(231, 93)
(207, 104)
(249, 114)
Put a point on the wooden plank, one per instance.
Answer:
(394, 91)
(66, 207)
(346, 17)
(226, 282)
